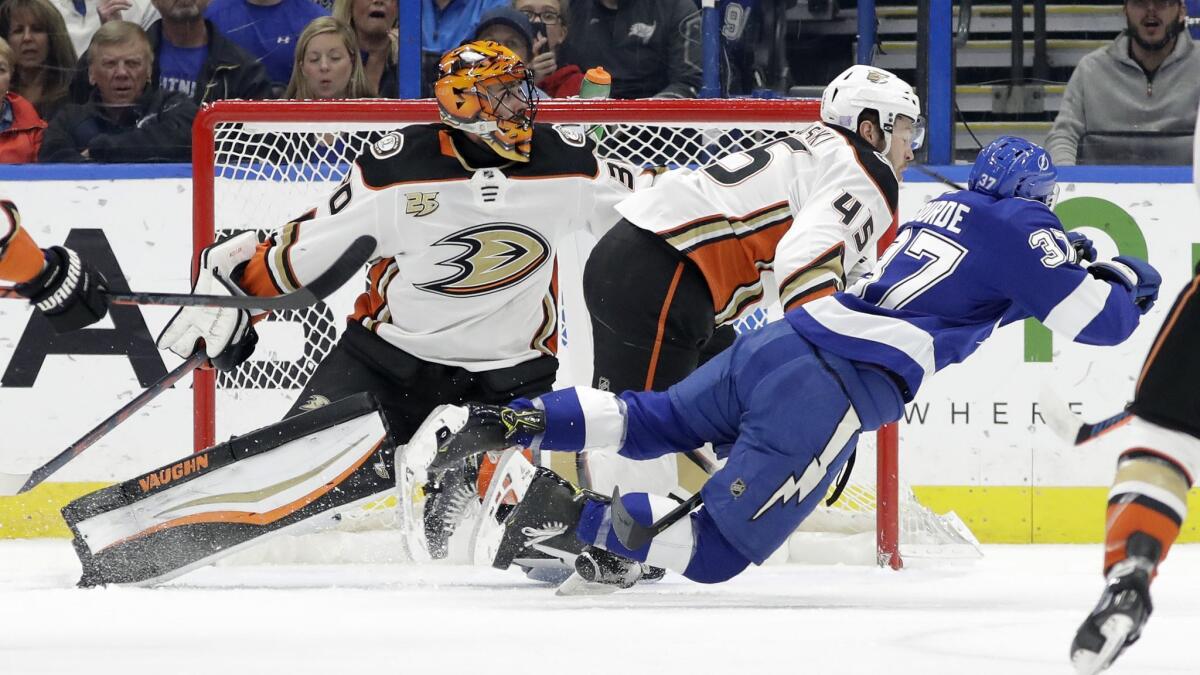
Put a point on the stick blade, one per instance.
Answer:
(1058, 415)
(12, 484)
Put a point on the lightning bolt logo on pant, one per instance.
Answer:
(843, 435)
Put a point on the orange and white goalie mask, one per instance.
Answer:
(483, 88)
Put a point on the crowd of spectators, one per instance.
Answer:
(121, 80)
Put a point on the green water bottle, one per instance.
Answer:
(597, 83)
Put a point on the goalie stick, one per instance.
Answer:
(333, 278)
(15, 484)
(632, 534)
(1070, 426)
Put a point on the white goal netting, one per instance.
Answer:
(264, 173)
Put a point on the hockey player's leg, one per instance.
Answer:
(651, 314)
(455, 480)
(795, 431)
(693, 546)
(544, 522)
(1119, 617)
(546, 527)
(1146, 507)
(1148, 500)
(651, 311)
(292, 476)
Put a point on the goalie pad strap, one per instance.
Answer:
(191, 512)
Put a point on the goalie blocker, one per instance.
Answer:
(295, 476)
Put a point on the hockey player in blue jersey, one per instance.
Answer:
(784, 406)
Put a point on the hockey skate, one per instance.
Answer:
(483, 428)
(599, 572)
(1118, 618)
(448, 495)
(543, 524)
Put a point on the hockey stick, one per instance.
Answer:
(333, 278)
(632, 534)
(936, 176)
(15, 484)
(1071, 427)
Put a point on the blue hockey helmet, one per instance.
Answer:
(1014, 167)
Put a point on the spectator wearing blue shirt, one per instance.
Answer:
(445, 24)
(268, 29)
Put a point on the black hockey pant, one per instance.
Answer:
(1166, 388)
(651, 310)
(409, 388)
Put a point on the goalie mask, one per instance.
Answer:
(860, 88)
(485, 89)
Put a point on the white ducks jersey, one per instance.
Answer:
(816, 207)
(464, 269)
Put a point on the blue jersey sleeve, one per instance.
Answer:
(1043, 282)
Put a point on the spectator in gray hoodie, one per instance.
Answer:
(1133, 101)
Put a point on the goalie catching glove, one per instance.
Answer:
(227, 334)
(68, 291)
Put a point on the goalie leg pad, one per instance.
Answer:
(297, 473)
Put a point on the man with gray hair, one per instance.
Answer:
(122, 121)
(191, 56)
(1133, 101)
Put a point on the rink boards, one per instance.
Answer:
(972, 442)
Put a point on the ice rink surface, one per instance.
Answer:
(1014, 611)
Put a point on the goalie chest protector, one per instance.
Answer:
(297, 473)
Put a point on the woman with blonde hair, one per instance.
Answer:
(328, 63)
(374, 24)
(45, 59)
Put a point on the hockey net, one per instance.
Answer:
(259, 164)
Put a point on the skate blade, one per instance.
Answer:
(1115, 631)
(576, 585)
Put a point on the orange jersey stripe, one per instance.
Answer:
(1126, 518)
(370, 301)
(888, 236)
(256, 279)
(22, 259)
(662, 325)
(729, 264)
(813, 294)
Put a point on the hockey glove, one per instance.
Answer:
(1082, 248)
(1118, 618)
(68, 291)
(227, 334)
(1138, 276)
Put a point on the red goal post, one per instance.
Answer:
(713, 127)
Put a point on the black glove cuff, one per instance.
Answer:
(57, 280)
(68, 292)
